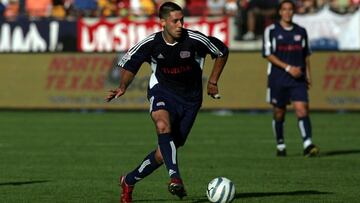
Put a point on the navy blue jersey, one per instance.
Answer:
(290, 46)
(178, 66)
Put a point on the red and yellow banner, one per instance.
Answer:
(81, 81)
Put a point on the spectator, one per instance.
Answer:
(196, 7)
(84, 8)
(231, 7)
(38, 8)
(11, 10)
(107, 8)
(58, 10)
(2, 9)
(259, 10)
(306, 6)
(142, 7)
(342, 6)
(215, 7)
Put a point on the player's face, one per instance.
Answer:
(286, 12)
(173, 25)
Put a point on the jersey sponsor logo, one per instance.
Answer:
(295, 47)
(184, 54)
(297, 37)
(176, 70)
(160, 103)
(160, 56)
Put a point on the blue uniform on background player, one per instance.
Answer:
(285, 46)
(175, 88)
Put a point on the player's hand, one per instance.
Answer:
(115, 94)
(295, 71)
(213, 91)
(309, 83)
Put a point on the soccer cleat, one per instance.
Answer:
(126, 194)
(311, 151)
(281, 153)
(176, 187)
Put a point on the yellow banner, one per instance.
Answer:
(81, 81)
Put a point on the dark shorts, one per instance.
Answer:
(182, 112)
(281, 95)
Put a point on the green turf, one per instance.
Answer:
(77, 157)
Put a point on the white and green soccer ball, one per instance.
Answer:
(220, 190)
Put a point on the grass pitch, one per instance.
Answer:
(73, 157)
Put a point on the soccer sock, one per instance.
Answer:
(144, 169)
(305, 130)
(168, 151)
(278, 128)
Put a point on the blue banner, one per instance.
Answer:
(38, 36)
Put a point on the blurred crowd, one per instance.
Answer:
(248, 14)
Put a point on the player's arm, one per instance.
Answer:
(308, 71)
(219, 64)
(292, 70)
(126, 77)
(221, 55)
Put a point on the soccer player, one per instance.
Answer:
(177, 57)
(285, 46)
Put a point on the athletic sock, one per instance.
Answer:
(278, 129)
(305, 130)
(168, 151)
(148, 165)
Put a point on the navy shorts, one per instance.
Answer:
(281, 95)
(182, 112)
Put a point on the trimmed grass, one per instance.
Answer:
(77, 157)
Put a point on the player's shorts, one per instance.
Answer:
(182, 112)
(281, 95)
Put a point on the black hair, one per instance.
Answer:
(168, 7)
(287, 1)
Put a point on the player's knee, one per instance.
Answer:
(300, 113)
(162, 126)
(279, 114)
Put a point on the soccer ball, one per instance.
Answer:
(220, 190)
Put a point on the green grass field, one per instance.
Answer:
(77, 157)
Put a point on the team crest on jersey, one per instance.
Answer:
(184, 54)
(280, 37)
(297, 37)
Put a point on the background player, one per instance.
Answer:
(285, 46)
(177, 57)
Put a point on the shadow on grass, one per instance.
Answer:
(340, 152)
(269, 194)
(19, 183)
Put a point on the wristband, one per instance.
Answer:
(212, 83)
(287, 69)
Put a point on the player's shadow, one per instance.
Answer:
(19, 183)
(268, 194)
(340, 152)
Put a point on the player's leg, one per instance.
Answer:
(166, 143)
(180, 130)
(150, 163)
(302, 113)
(278, 96)
(127, 182)
(300, 100)
(278, 129)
